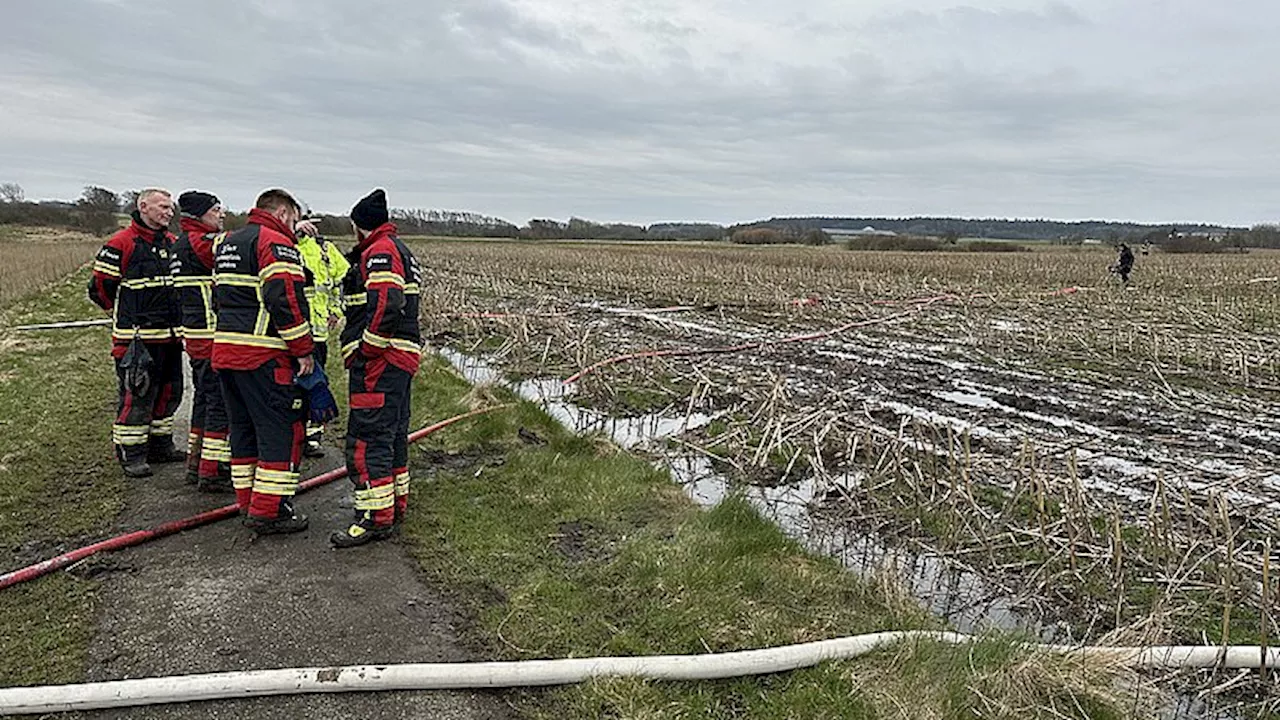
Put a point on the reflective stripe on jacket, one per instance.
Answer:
(326, 267)
(192, 269)
(262, 312)
(381, 294)
(131, 280)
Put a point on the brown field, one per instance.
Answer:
(1103, 458)
(1020, 439)
(31, 258)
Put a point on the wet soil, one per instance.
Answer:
(218, 598)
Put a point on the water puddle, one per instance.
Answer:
(963, 597)
(553, 396)
(959, 595)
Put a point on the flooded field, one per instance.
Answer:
(1021, 442)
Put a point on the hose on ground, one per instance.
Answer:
(138, 537)
(530, 673)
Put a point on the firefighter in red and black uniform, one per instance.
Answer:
(381, 347)
(263, 338)
(208, 448)
(131, 280)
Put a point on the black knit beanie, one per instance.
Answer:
(195, 204)
(371, 212)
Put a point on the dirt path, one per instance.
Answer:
(219, 599)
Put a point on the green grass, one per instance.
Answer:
(60, 483)
(570, 548)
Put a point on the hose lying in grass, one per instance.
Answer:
(70, 324)
(528, 673)
(138, 537)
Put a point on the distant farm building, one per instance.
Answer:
(849, 232)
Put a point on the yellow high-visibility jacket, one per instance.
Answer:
(326, 266)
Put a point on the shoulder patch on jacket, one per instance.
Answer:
(285, 253)
(109, 254)
(377, 263)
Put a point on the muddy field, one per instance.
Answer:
(1090, 457)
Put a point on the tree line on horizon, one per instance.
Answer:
(98, 210)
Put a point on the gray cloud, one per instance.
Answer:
(645, 110)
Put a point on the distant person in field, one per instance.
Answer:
(131, 279)
(208, 446)
(1124, 264)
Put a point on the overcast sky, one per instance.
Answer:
(647, 110)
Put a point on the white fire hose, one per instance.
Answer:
(528, 673)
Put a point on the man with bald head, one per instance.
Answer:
(131, 280)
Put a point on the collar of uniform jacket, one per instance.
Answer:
(257, 216)
(193, 226)
(381, 231)
(146, 231)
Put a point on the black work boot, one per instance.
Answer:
(193, 460)
(288, 520)
(216, 484)
(312, 448)
(161, 450)
(136, 469)
(361, 532)
(220, 483)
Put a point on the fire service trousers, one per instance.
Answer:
(377, 446)
(147, 419)
(265, 409)
(208, 444)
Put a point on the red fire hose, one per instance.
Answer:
(140, 536)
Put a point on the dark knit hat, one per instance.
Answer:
(195, 203)
(371, 212)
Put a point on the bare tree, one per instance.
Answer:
(12, 193)
(99, 199)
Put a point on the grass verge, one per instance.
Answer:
(561, 546)
(58, 482)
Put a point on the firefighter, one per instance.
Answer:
(208, 449)
(131, 280)
(262, 340)
(325, 267)
(381, 346)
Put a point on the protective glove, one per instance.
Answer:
(137, 368)
(320, 403)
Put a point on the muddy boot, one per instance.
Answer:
(194, 443)
(219, 483)
(161, 451)
(136, 469)
(288, 520)
(216, 484)
(360, 532)
(313, 447)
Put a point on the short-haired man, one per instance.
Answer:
(381, 346)
(262, 340)
(208, 448)
(131, 281)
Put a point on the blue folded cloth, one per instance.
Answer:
(321, 407)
